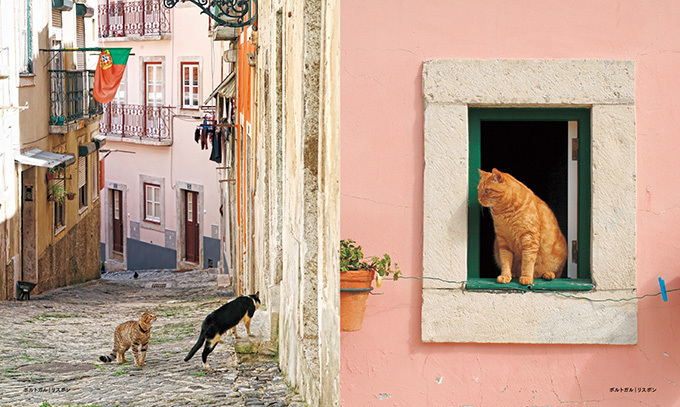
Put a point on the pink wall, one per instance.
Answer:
(384, 44)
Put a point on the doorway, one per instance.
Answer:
(191, 231)
(117, 224)
(28, 270)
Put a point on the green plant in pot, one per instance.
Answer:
(57, 193)
(356, 277)
(52, 173)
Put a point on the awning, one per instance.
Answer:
(82, 10)
(225, 89)
(99, 140)
(63, 5)
(86, 149)
(40, 158)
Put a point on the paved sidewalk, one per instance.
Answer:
(50, 347)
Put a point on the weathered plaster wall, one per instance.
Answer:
(383, 49)
(75, 257)
(299, 121)
(10, 222)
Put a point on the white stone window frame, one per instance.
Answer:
(144, 83)
(157, 225)
(190, 62)
(450, 313)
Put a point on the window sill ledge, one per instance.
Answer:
(560, 284)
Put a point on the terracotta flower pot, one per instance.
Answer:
(355, 285)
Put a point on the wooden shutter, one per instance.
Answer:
(95, 176)
(82, 171)
(80, 42)
(56, 18)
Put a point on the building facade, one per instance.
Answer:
(50, 181)
(431, 94)
(283, 194)
(161, 199)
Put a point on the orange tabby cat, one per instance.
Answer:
(529, 243)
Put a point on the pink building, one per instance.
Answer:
(161, 206)
(431, 93)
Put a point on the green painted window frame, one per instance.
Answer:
(581, 115)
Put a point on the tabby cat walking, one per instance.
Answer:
(131, 334)
(529, 243)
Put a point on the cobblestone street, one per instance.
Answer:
(50, 347)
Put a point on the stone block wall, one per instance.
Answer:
(75, 258)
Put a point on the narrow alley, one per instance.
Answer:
(50, 347)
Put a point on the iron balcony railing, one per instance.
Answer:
(124, 18)
(151, 123)
(71, 96)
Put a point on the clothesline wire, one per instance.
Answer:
(547, 291)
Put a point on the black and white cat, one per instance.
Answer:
(223, 319)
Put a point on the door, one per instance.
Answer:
(191, 225)
(117, 214)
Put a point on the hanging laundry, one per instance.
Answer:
(216, 154)
(204, 137)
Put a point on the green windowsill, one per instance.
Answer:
(559, 284)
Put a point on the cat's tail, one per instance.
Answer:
(109, 358)
(199, 343)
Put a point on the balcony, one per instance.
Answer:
(137, 124)
(71, 102)
(145, 18)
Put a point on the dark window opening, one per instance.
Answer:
(548, 150)
(535, 153)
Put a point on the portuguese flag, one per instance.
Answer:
(109, 72)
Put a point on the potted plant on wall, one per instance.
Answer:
(57, 193)
(51, 173)
(70, 196)
(356, 277)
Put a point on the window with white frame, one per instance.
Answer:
(121, 93)
(190, 85)
(25, 25)
(152, 202)
(468, 103)
(153, 79)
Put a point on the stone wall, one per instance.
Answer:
(298, 226)
(75, 258)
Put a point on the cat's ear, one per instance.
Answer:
(497, 175)
(482, 173)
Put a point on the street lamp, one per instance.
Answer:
(228, 13)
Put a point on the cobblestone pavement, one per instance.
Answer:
(50, 347)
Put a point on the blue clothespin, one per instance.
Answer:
(662, 284)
